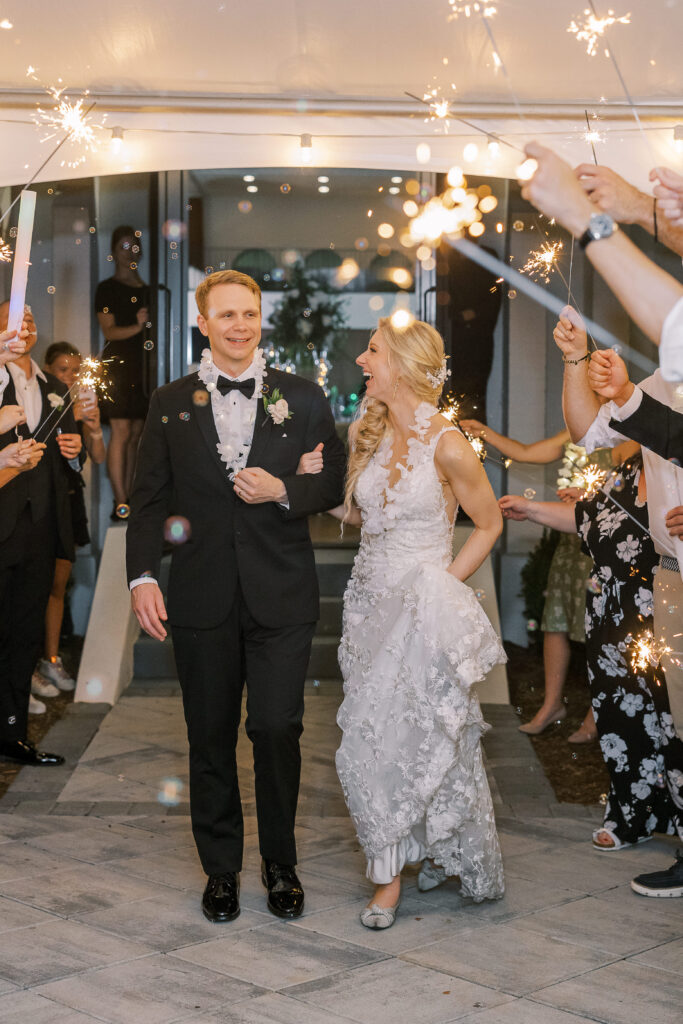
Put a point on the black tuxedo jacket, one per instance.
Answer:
(265, 549)
(47, 486)
(656, 426)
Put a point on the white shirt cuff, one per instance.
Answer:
(628, 408)
(141, 579)
(4, 380)
(671, 344)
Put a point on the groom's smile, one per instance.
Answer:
(233, 326)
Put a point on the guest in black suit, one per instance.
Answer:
(218, 464)
(35, 527)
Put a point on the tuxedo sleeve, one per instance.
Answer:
(654, 425)
(308, 493)
(150, 501)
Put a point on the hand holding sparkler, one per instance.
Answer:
(474, 427)
(514, 506)
(555, 191)
(669, 194)
(10, 417)
(69, 445)
(22, 455)
(13, 344)
(674, 521)
(570, 495)
(612, 194)
(570, 335)
(608, 376)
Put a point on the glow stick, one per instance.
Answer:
(22, 261)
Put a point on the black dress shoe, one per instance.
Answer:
(285, 894)
(221, 899)
(26, 753)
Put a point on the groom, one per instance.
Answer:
(217, 470)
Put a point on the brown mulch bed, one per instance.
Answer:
(39, 725)
(577, 773)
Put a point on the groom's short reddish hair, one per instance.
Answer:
(223, 277)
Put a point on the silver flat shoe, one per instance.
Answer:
(378, 917)
(430, 876)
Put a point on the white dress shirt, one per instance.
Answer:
(29, 395)
(664, 479)
(234, 416)
(671, 344)
(4, 381)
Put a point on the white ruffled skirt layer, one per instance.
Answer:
(410, 760)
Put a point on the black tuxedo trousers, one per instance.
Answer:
(242, 599)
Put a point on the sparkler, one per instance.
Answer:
(470, 7)
(69, 117)
(593, 479)
(591, 28)
(646, 651)
(90, 378)
(541, 263)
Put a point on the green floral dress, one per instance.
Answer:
(565, 600)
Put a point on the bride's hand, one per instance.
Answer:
(514, 506)
(311, 462)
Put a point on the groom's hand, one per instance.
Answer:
(149, 608)
(254, 486)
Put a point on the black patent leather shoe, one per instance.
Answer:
(221, 899)
(285, 893)
(25, 753)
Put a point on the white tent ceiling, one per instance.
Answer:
(235, 84)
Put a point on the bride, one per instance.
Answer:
(415, 639)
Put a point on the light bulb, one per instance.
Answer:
(305, 149)
(116, 142)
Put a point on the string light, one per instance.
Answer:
(590, 28)
(470, 7)
(116, 140)
(305, 148)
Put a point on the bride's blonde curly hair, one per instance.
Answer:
(414, 352)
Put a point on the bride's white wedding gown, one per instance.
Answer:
(415, 640)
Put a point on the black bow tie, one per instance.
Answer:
(245, 386)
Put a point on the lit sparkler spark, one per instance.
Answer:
(439, 106)
(470, 7)
(593, 479)
(592, 136)
(5, 252)
(646, 651)
(91, 376)
(452, 410)
(542, 262)
(590, 28)
(71, 118)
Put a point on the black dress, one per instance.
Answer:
(129, 370)
(642, 753)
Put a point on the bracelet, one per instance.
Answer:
(573, 362)
(95, 435)
(654, 218)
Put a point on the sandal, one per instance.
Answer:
(616, 844)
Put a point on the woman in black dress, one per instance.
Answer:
(642, 753)
(122, 306)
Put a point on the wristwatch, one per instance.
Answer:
(600, 225)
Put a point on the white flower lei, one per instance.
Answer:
(234, 456)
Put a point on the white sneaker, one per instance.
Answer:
(41, 687)
(36, 707)
(56, 673)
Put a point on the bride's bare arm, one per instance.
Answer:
(353, 517)
(456, 462)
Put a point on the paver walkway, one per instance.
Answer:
(100, 887)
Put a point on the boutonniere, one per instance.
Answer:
(55, 400)
(276, 407)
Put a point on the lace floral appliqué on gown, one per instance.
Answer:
(415, 641)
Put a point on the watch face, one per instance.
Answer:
(601, 225)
